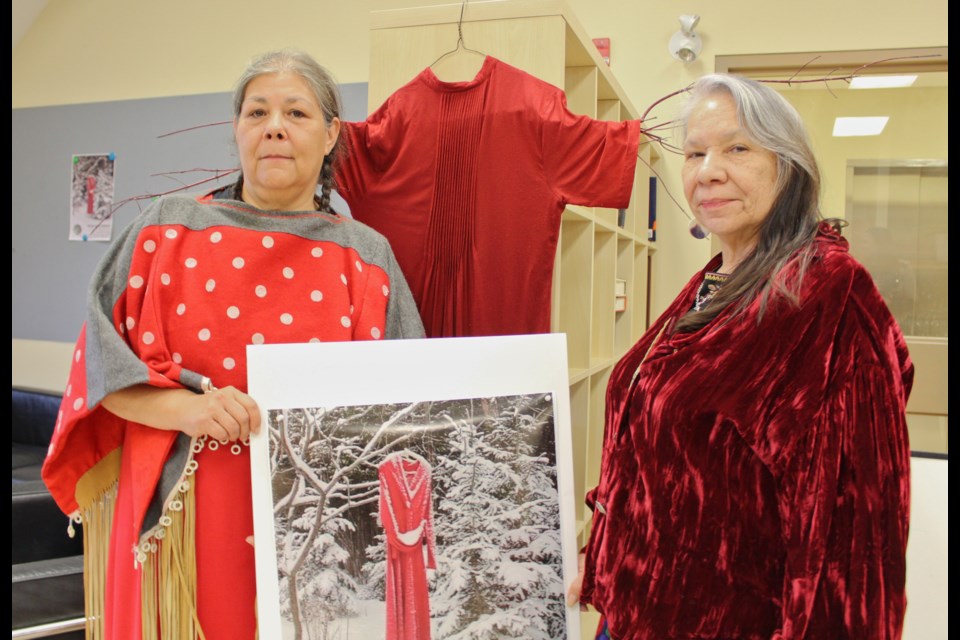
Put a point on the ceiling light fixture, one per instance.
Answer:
(685, 45)
(868, 126)
(882, 82)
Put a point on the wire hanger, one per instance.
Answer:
(405, 455)
(461, 45)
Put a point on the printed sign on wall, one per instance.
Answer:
(91, 197)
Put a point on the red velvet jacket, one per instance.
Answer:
(755, 475)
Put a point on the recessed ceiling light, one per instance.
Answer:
(881, 82)
(871, 126)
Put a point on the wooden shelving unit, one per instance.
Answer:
(597, 246)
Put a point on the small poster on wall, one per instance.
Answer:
(414, 489)
(91, 197)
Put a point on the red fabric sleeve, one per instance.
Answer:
(120, 345)
(589, 162)
(371, 148)
(386, 516)
(845, 507)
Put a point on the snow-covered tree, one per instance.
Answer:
(324, 469)
(495, 504)
(498, 526)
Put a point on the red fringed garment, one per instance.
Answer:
(755, 475)
(180, 295)
(468, 180)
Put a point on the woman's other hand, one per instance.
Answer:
(573, 592)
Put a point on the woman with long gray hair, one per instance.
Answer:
(755, 474)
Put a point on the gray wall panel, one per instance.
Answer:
(50, 273)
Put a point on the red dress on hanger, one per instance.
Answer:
(406, 512)
(468, 180)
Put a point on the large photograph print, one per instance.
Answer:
(415, 489)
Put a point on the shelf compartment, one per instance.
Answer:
(608, 110)
(580, 85)
(593, 441)
(577, 213)
(641, 290)
(580, 427)
(623, 321)
(573, 284)
(604, 274)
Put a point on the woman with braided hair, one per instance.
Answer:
(284, 150)
(150, 451)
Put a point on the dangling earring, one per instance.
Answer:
(697, 231)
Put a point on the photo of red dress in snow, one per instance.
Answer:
(419, 505)
(406, 512)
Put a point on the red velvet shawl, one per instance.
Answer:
(755, 473)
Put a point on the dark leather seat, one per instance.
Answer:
(47, 575)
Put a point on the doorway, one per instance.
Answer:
(890, 186)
